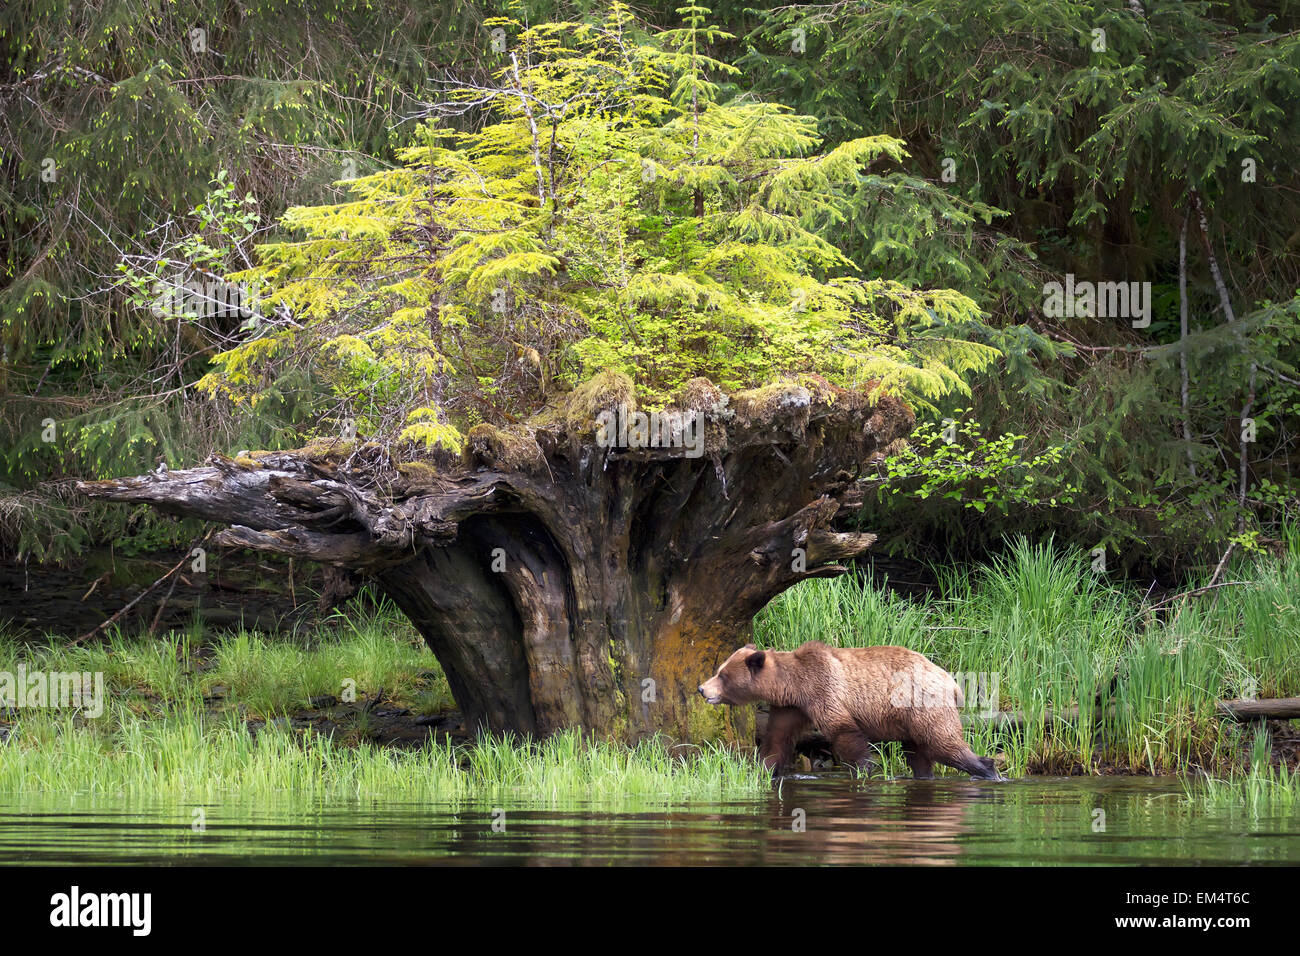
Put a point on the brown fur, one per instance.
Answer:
(854, 696)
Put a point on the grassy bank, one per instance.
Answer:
(1263, 788)
(188, 755)
(193, 714)
(191, 717)
(252, 674)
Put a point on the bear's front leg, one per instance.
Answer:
(784, 726)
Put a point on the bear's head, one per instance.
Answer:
(743, 678)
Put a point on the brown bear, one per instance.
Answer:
(854, 696)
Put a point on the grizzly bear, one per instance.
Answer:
(854, 696)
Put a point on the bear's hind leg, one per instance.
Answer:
(980, 768)
(921, 765)
(853, 748)
(784, 725)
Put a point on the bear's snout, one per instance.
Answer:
(711, 691)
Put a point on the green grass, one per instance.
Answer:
(374, 651)
(192, 755)
(1055, 633)
(1261, 790)
(260, 677)
(176, 726)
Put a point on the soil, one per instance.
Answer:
(234, 590)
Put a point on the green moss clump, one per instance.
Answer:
(786, 398)
(824, 392)
(513, 448)
(706, 400)
(600, 393)
(328, 449)
(417, 472)
(703, 396)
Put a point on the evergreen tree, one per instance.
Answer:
(613, 214)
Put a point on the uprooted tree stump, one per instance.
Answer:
(559, 581)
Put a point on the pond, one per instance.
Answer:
(826, 819)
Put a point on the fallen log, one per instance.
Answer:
(1240, 709)
(1278, 708)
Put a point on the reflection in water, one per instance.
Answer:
(830, 819)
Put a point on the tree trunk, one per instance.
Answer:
(562, 582)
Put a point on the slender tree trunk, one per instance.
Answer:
(1182, 343)
(1225, 301)
(562, 576)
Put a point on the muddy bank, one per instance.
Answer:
(258, 592)
(370, 719)
(379, 721)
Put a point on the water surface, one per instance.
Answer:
(820, 820)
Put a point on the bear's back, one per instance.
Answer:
(881, 655)
(893, 692)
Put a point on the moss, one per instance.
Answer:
(333, 449)
(824, 392)
(706, 722)
(612, 659)
(551, 414)
(790, 399)
(707, 400)
(513, 448)
(418, 472)
(786, 398)
(599, 393)
(619, 729)
(702, 395)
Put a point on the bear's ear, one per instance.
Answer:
(756, 660)
(749, 647)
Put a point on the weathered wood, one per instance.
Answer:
(560, 581)
(1279, 708)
